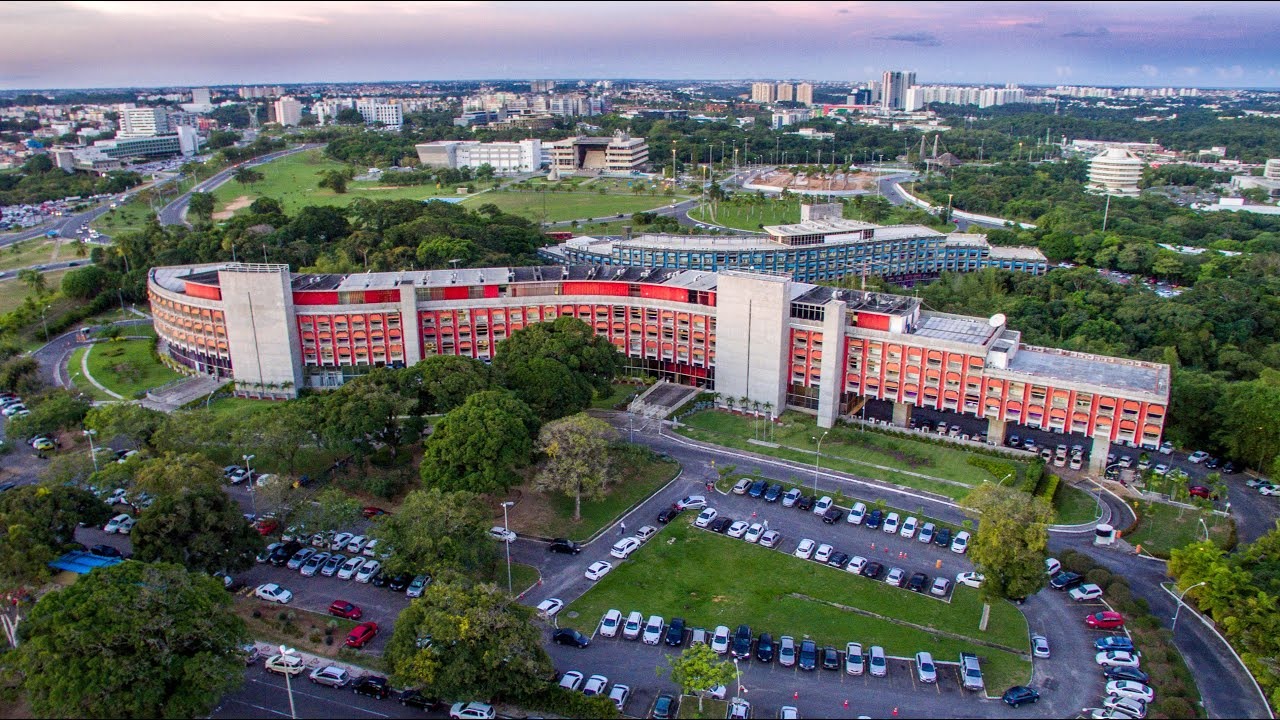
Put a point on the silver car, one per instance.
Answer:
(1040, 646)
(786, 651)
(330, 675)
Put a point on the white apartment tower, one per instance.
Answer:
(786, 93)
(804, 93)
(763, 92)
(389, 114)
(894, 90)
(1115, 172)
(143, 122)
(288, 111)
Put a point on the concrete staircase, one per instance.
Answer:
(661, 399)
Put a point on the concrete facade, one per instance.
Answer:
(259, 312)
(752, 362)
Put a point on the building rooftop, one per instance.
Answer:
(813, 227)
(1102, 370)
(1017, 253)
(955, 328)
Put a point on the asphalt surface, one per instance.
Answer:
(175, 212)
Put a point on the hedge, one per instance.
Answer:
(1049, 487)
(1000, 469)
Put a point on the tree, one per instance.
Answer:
(446, 381)
(468, 640)
(172, 472)
(698, 669)
(37, 523)
(349, 116)
(201, 204)
(132, 640)
(135, 423)
(557, 366)
(248, 176)
(1009, 548)
(21, 375)
(84, 283)
(478, 445)
(55, 410)
(335, 180)
(329, 510)
(1248, 424)
(277, 435)
(33, 279)
(199, 528)
(436, 531)
(577, 450)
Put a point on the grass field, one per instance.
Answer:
(750, 216)
(618, 393)
(522, 576)
(293, 180)
(238, 407)
(130, 217)
(1073, 506)
(846, 449)
(127, 367)
(711, 579)
(33, 252)
(78, 379)
(14, 291)
(1163, 527)
(561, 206)
(551, 514)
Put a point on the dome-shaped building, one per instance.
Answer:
(1115, 172)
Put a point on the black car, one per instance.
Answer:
(1228, 468)
(838, 559)
(569, 636)
(773, 493)
(872, 570)
(742, 642)
(1211, 463)
(415, 698)
(875, 519)
(1065, 580)
(563, 546)
(281, 556)
(668, 515)
(721, 525)
(1126, 673)
(806, 503)
(373, 686)
(399, 582)
(808, 655)
(1014, 441)
(764, 648)
(675, 632)
(830, 658)
(6, 487)
(918, 582)
(1019, 694)
(832, 515)
(380, 579)
(757, 488)
(105, 551)
(942, 538)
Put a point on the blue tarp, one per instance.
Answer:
(81, 562)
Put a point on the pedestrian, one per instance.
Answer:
(622, 529)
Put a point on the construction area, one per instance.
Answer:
(852, 183)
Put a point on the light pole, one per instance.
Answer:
(817, 455)
(253, 503)
(1180, 603)
(507, 542)
(1206, 529)
(286, 654)
(92, 453)
(45, 324)
(737, 680)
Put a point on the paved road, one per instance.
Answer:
(264, 695)
(175, 212)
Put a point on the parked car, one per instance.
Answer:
(645, 533)
(1104, 620)
(739, 709)
(891, 522)
(313, 564)
(595, 685)
(1065, 580)
(624, 547)
(598, 569)
(961, 544)
(1019, 695)
(1197, 457)
(805, 503)
(668, 514)
(770, 538)
(856, 564)
(720, 639)
(652, 630)
(374, 686)
(619, 695)
(633, 625)
(272, 592)
(943, 537)
(972, 579)
(740, 487)
(738, 529)
(941, 586)
(926, 671)
(857, 514)
(872, 570)
(823, 553)
(368, 570)
(908, 530)
(875, 519)
(878, 663)
(830, 658)
(415, 698)
(917, 582)
(753, 533)
(789, 500)
(284, 665)
(692, 502)
(705, 517)
(808, 655)
(674, 636)
(764, 648)
(757, 489)
(1086, 592)
(121, 523)
(895, 577)
(1040, 646)
(417, 586)
(1114, 642)
(773, 493)
(1117, 658)
(853, 661)
(926, 533)
(361, 634)
(571, 680)
(1052, 566)
(805, 549)
(550, 607)
(1126, 673)
(823, 505)
(664, 707)
(1125, 707)
(832, 515)
(786, 651)
(610, 623)
(472, 711)
(497, 532)
(741, 647)
(350, 567)
(721, 525)
(344, 609)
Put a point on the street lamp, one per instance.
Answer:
(285, 655)
(92, 453)
(45, 324)
(1180, 603)
(817, 455)
(507, 542)
(1206, 529)
(253, 503)
(737, 680)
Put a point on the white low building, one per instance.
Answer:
(503, 157)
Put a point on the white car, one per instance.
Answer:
(879, 663)
(720, 640)
(1040, 646)
(941, 586)
(350, 567)
(753, 533)
(645, 532)
(740, 487)
(856, 515)
(738, 529)
(895, 576)
(739, 709)
(357, 544)
(619, 695)
(550, 607)
(804, 550)
(824, 553)
(926, 533)
(1268, 490)
(652, 630)
(1086, 592)
(909, 528)
(823, 505)
(121, 523)
(119, 497)
(595, 685)
(1052, 566)
(624, 547)
(635, 622)
(854, 663)
(330, 675)
(498, 532)
(770, 538)
(692, 502)
(856, 564)
(891, 523)
(1117, 658)
(789, 712)
(571, 680)
(706, 517)
(972, 579)
(285, 665)
(926, 671)
(272, 592)
(340, 541)
(598, 569)
(1197, 457)
(368, 570)
(960, 544)
(793, 495)
(1114, 706)
(610, 623)
(370, 548)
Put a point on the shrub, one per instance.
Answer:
(1077, 563)
(998, 468)
(1172, 707)
(257, 614)
(1098, 576)
(314, 639)
(1119, 593)
(558, 701)
(328, 639)
(1049, 487)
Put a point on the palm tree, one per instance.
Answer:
(247, 176)
(33, 279)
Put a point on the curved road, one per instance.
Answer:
(175, 212)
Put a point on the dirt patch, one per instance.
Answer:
(239, 203)
(531, 511)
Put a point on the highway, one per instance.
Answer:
(175, 212)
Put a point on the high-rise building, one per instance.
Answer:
(143, 122)
(804, 93)
(786, 93)
(763, 92)
(389, 114)
(1271, 170)
(200, 96)
(288, 111)
(542, 86)
(893, 95)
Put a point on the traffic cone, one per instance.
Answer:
(895, 712)
(796, 696)
(846, 704)
(873, 546)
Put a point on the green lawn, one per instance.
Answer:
(711, 579)
(551, 515)
(847, 449)
(618, 393)
(1073, 506)
(522, 576)
(293, 180)
(1163, 527)
(78, 379)
(33, 252)
(559, 206)
(133, 216)
(238, 407)
(127, 367)
(14, 291)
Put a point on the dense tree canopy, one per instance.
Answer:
(577, 458)
(556, 367)
(1009, 548)
(478, 445)
(37, 524)
(435, 532)
(200, 528)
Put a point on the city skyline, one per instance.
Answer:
(221, 43)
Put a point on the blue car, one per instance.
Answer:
(1113, 642)
(773, 493)
(875, 519)
(757, 488)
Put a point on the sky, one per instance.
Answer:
(154, 44)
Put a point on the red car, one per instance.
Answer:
(369, 511)
(1105, 620)
(344, 609)
(266, 526)
(362, 634)
(1201, 491)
